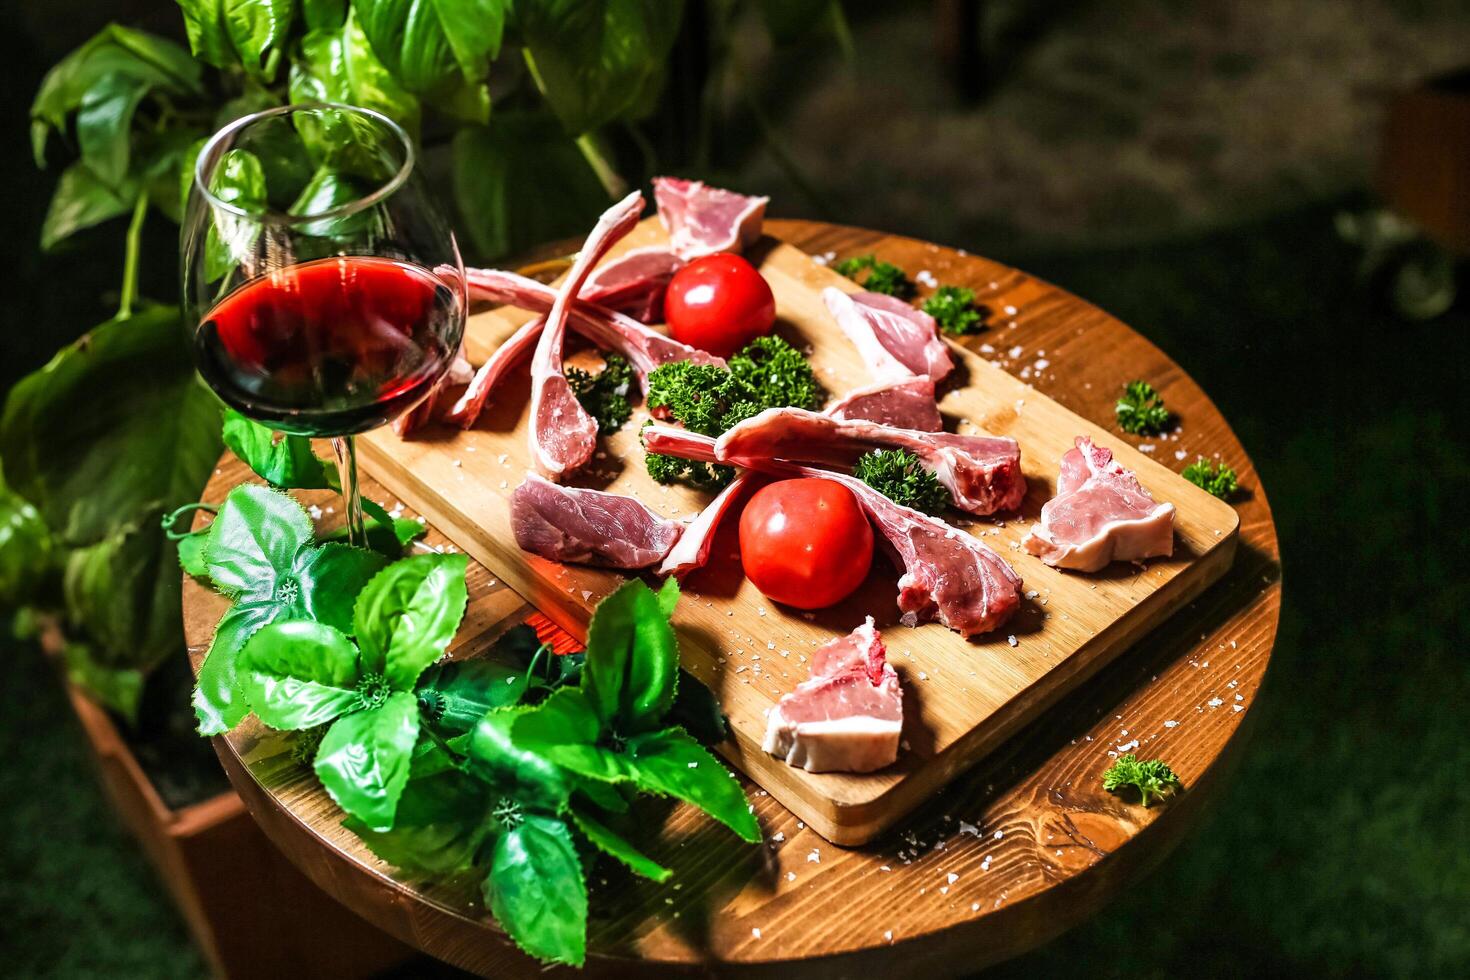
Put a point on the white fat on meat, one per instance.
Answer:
(635, 282)
(895, 340)
(588, 527)
(562, 435)
(1101, 514)
(847, 716)
(981, 472)
(908, 404)
(702, 220)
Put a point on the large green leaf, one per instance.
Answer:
(408, 613)
(671, 763)
(441, 823)
(299, 674)
(105, 122)
(520, 181)
(118, 688)
(429, 44)
(364, 759)
(454, 696)
(565, 730)
(219, 704)
(596, 60)
(632, 667)
(321, 15)
(536, 891)
(517, 772)
(205, 29)
(338, 65)
(257, 30)
(81, 200)
(26, 551)
(286, 462)
(613, 844)
(253, 541)
(154, 62)
(238, 179)
(329, 578)
(116, 424)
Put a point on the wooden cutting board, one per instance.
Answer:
(962, 698)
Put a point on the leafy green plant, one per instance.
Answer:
(605, 394)
(1216, 478)
(901, 477)
(1152, 778)
(877, 276)
(1141, 410)
(955, 311)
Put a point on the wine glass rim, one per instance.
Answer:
(392, 184)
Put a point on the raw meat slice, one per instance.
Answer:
(692, 551)
(982, 473)
(1101, 513)
(896, 341)
(949, 575)
(592, 527)
(644, 347)
(634, 283)
(702, 220)
(847, 716)
(908, 404)
(562, 434)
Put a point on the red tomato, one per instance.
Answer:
(805, 542)
(719, 303)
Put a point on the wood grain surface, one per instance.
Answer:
(1032, 841)
(962, 697)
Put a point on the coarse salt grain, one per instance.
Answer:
(815, 857)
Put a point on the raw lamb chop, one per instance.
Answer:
(692, 551)
(570, 524)
(982, 473)
(847, 716)
(1100, 514)
(634, 283)
(702, 220)
(908, 404)
(562, 434)
(896, 341)
(949, 575)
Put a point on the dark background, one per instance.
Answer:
(1179, 164)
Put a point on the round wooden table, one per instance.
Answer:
(1022, 848)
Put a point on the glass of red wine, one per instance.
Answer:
(327, 288)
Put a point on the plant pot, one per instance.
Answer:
(250, 911)
(1424, 170)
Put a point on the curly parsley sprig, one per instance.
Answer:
(955, 311)
(1216, 478)
(1151, 777)
(899, 476)
(604, 395)
(1141, 410)
(882, 277)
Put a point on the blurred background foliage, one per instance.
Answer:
(1202, 170)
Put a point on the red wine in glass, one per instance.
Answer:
(330, 347)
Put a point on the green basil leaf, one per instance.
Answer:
(454, 696)
(115, 425)
(536, 890)
(191, 553)
(104, 125)
(238, 179)
(607, 796)
(219, 705)
(204, 26)
(427, 43)
(670, 763)
(257, 30)
(609, 842)
(595, 60)
(632, 667)
(330, 578)
(388, 536)
(565, 730)
(118, 688)
(408, 613)
(439, 827)
(327, 190)
(516, 771)
(339, 66)
(81, 200)
(26, 549)
(161, 158)
(364, 759)
(496, 164)
(286, 463)
(299, 674)
(155, 62)
(323, 15)
(254, 540)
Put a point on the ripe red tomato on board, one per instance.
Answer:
(719, 303)
(805, 542)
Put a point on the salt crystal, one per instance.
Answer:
(756, 933)
(791, 876)
(455, 462)
(1214, 702)
(952, 878)
(1171, 724)
(1009, 310)
(778, 837)
(1012, 640)
(1146, 447)
(815, 857)
(1238, 707)
(1015, 352)
(999, 834)
(1180, 454)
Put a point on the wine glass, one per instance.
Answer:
(326, 287)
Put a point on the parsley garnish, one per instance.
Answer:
(899, 476)
(882, 277)
(1141, 410)
(1151, 778)
(1216, 478)
(604, 395)
(954, 309)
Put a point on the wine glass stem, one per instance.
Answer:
(345, 448)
